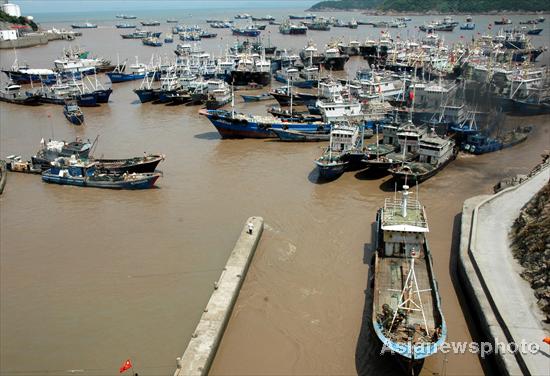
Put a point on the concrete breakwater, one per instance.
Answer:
(36, 39)
(501, 300)
(201, 350)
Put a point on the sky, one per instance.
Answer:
(37, 7)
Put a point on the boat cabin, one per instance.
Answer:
(404, 226)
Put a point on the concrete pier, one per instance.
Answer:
(198, 357)
(503, 302)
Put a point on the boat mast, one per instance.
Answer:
(290, 92)
(232, 101)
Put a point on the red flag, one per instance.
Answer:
(127, 365)
(411, 95)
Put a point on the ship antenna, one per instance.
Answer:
(405, 201)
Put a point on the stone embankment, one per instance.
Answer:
(531, 246)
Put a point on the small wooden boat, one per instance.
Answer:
(147, 163)
(73, 113)
(257, 98)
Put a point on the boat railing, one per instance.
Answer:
(393, 213)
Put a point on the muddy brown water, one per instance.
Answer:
(91, 277)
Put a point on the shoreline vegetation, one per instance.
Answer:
(23, 21)
(433, 7)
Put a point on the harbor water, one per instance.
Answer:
(91, 277)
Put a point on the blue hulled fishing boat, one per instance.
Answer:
(73, 113)
(231, 124)
(406, 307)
(249, 31)
(69, 171)
(479, 143)
(26, 75)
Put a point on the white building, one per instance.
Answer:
(8, 34)
(11, 9)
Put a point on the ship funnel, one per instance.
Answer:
(405, 200)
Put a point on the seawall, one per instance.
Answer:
(501, 300)
(201, 350)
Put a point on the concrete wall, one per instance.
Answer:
(198, 357)
(494, 289)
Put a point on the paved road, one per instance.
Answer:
(512, 294)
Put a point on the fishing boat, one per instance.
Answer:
(310, 55)
(138, 34)
(144, 164)
(534, 31)
(231, 124)
(503, 21)
(478, 143)
(406, 306)
(352, 48)
(531, 106)
(71, 171)
(389, 153)
(11, 93)
(125, 26)
(150, 23)
(53, 149)
(86, 25)
(73, 113)
(293, 77)
(434, 153)
(168, 38)
(319, 25)
(135, 71)
(468, 26)
(257, 98)
(334, 60)
(302, 136)
(243, 16)
(129, 17)
(265, 18)
(60, 92)
(151, 41)
(219, 94)
(344, 139)
(250, 70)
(24, 75)
(171, 20)
(248, 31)
(288, 28)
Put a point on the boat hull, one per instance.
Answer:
(32, 100)
(330, 171)
(241, 128)
(139, 183)
(76, 119)
(335, 63)
(243, 78)
(296, 136)
(146, 95)
(413, 177)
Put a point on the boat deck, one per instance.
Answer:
(391, 275)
